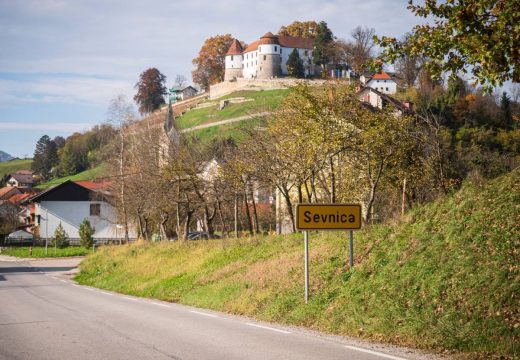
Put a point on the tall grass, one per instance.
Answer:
(445, 277)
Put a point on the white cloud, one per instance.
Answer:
(65, 90)
(43, 126)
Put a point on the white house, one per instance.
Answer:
(381, 82)
(20, 179)
(70, 203)
(267, 57)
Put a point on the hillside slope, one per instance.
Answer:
(8, 167)
(446, 277)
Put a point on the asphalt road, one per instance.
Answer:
(45, 315)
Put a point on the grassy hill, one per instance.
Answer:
(90, 174)
(444, 277)
(250, 103)
(7, 167)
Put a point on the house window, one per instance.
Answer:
(38, 219)
(275, 48)
(95, 209)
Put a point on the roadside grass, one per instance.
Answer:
(8, 167)
(445, 277)
(39, 251)
(90, 174)
(267, 100)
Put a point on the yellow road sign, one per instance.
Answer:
(328, 216)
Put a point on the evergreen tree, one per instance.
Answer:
(322, 44)
(85, 233)
(150, 90)
(60, 239)
(45, 157)
(505, 107)
(295, 65)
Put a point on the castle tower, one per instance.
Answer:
(233, 60)
(269, 56)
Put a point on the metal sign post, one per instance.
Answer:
(351, 248)
(326, 217)
(306, 266)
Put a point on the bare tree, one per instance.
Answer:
(121, 113)
(361, 48)
(180, 81)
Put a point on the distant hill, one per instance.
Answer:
(8, 167)
(5, 156)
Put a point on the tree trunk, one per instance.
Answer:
(122, 179)
(248, 213)
(236, 215)
(255, 214)
(332, 182)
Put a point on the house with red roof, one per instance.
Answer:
(382, 82)
(266, 58)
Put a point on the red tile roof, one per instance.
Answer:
(18, 198)
(8, 191)
(295, 42)
(253, 46)
(382, 76)
(235, 48)
(94, 185)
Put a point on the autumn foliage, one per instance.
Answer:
(210, 63)
(150, 90)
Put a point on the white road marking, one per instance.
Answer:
(163, 305)
(76, 285)
(268, 328)
(375, 353)
(204, 314)
(106, 293)
(130, 298)
(65, 281)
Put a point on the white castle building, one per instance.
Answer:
(267, 57)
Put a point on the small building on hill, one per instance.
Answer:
(21, 179)
(182, 93)
(267, 57)
(381, 82)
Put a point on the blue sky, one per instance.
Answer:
(61, 61)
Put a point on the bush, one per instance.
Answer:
(60, 239)
(85, 233)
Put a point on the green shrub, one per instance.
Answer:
(60, 239)
(85, 234)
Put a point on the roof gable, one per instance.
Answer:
(67, 191)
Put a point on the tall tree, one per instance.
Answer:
(361, 48)
(408, 66)
(210, 63)
(45, 157)
(151, 90)
(322, 44)
(466, 35)
(305, 29)
(295, 65)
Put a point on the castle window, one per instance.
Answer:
(231, 57)
(275, 48)
(386, 89)
(306, 52)
(259, 49)
(256, 62)
(265, 57)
